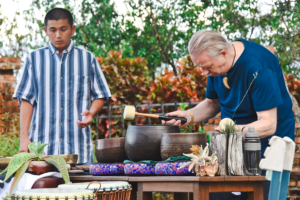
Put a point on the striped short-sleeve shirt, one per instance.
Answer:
(60, 88)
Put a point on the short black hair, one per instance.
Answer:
(59, 13)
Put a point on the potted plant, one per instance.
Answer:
(201, 163)
(227, 144)
(21, 162)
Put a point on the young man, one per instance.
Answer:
(55, 92)
(254, 95)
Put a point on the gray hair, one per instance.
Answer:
(208, 40)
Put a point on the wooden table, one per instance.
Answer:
(199, 187)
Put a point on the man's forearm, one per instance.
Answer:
(96, 106)
(266, 123)
(205, 110)
(25, 118)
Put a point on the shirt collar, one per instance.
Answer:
(68, 50)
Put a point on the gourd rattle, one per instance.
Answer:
(129, 114)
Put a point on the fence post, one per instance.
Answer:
(176, 105)
(97, 125)
(135, 118)
(149, 111)
(191, 125)
(122, 119)
(109, 120)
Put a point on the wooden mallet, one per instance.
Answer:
(129, 114)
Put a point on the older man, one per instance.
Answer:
(244, 82)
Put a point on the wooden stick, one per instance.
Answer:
(147, 115)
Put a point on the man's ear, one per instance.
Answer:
(73, 29)
(224, 53)
(45, 29)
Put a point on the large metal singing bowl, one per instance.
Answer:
(175, 144)
(143, 142)
(110, 150)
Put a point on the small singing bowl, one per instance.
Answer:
(175, 144)
(110, 150)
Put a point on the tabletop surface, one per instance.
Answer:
(77, 177)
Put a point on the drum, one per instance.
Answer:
(116, 190)
(54, 193)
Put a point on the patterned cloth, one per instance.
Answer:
(60, 89)
(171, 168)
(106, 169)
(139, 169)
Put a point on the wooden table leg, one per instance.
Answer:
(181, 196)
(143, 195)
(203, 191)
(258, 192)
(134, 190)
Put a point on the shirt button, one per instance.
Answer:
(61, 93)
(61, 108)
(61, 77)
(60, 123)
(61, 139)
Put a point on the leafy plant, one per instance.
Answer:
(230, 128)
(198, 157)
(20, 162)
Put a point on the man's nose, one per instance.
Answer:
(57, 34)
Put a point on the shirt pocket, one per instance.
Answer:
(81, 87)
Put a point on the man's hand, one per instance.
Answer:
(88, 118)
(24, 142)
(184, 114)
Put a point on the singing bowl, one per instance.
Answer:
(143, 141)
(110, 150)
(175, 144)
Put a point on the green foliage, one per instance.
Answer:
(208, 138)
(16, 162)
(37, 149)
(159, 30)
(183, 106)
(60, 164)
(20, 162)
(19, 174)
(9, 144)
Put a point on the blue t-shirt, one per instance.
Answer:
(267, 91)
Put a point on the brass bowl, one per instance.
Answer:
(175, 144)
(143, 141)
(69, 158)
(110, 150)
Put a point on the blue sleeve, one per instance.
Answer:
(25, 87)
(265, 92)
(210, 91)
(99, 87)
